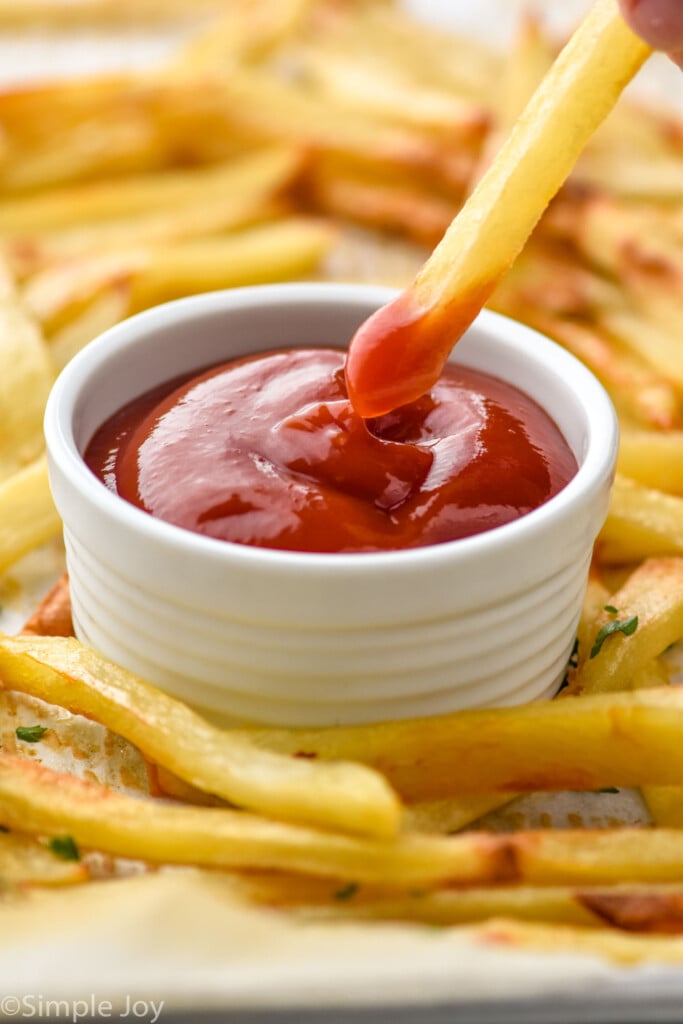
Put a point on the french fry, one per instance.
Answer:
(637, 390)
(640, 908)
(35, 798)
(451, 814)
(665, 803)
(616, 739)
(270, 252)
(29, 255)
(108, 309)
(617, 237)
(465, 67)
(223, 763)
(652, 458)
(413, 336)
(641, 523)
(280, 251)
(252, 175)
(28, 517)
(61, 13)
(26, 862)
(52, 617)
(658, 346)
(652, 600)
(246, 32)
(363, 85)
(640, 179)
(26, 376)
(380, 204)
(277, 110)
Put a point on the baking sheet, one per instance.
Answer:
(179, 936)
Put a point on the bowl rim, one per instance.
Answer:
(596, 465)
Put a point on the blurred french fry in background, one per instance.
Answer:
(28, 517)
(25, 861)
(642, 523)
(25, 381)
(110, 12)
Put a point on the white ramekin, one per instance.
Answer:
(289, 638)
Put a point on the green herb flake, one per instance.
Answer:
(30, 733)
(64, 847)
(347, 893)
(625, 626)
(611, 609)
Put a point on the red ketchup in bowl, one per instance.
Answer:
(268, 451)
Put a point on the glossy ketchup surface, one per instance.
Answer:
(268, 451)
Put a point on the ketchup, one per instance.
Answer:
(269, 451)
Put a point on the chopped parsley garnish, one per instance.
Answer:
(625, 626)
(611, 609)
(30, 733)
(347, 893)
(64, 847)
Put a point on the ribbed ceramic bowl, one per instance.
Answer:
(292, 638)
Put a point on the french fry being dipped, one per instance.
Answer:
(398, 353)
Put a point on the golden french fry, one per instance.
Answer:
(652, 458)
(637, 390)
(269, 252)
(451, 814)
(638, 178)
(28, 517)
(274, 109)
(665, 804)
(636, 908)
(618, 739)
(362, 84)
(277, 251)
(395, 207)
(647, 620)
(29, 255)
(463, 66)
(641, 523)
(108, 309)
(656, 345)
(37, 799)
(101, 12)
(26, 376)
(617, 236)
(254, 175)
(409, 341)
(52, 617)
(25, 861)
(224, 763)
(246, 32)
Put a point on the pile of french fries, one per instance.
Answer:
(299, 138)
